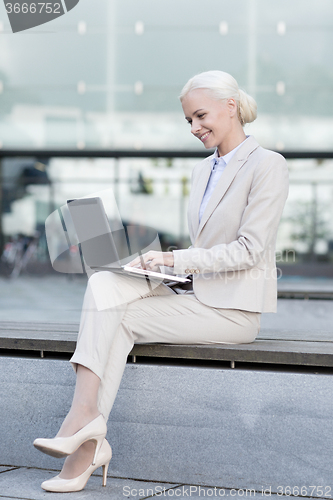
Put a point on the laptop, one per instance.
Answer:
(103, 249)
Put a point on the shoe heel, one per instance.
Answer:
(99, 441)
(105, 473)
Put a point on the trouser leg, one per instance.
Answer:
(177, 319)
(105, 303)
(117, 357)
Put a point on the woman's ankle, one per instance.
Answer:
(76, 419)
(84, 412)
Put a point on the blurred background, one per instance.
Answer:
(90, 101)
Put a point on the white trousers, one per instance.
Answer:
(119, 311)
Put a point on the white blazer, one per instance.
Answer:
(232, 257)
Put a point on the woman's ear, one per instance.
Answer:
(232, 106)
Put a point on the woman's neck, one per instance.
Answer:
(234, 141)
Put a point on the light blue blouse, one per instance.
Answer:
(217, 165)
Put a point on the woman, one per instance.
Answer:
(237, 197)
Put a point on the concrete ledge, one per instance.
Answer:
(221, 427)
(306, 348)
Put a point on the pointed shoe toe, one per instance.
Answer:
(60, 485)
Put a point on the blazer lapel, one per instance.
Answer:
(198, 190)
(236, 162)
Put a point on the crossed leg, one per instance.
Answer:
(119, 312)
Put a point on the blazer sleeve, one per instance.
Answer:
(258, 225)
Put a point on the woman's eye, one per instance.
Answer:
(201, 116)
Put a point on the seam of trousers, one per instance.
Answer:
(112, 378)
(90, 362)
(93, 364)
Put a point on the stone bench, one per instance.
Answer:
(302, 348)
(182, 413)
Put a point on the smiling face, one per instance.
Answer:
(214, 122)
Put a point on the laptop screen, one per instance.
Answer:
(93, 231)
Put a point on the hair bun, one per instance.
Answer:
(247, 108)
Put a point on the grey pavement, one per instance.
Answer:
(45, 299)
(57, 298)
(24, 483)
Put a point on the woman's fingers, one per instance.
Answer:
(155, 263)
(145, 258)
(153, 259)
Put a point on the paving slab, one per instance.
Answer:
(300, 314)
(3, 468)
(305, 287)
(195, 491)
(49, 298)
(57, 298)
(11, 498)
(25, 483)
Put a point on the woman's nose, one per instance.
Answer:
(195, 127)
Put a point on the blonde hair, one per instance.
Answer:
(220, 86)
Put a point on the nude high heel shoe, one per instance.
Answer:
(62, 446)
(57, 484)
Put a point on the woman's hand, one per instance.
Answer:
(153, 259)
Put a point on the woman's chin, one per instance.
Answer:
(209, 145)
